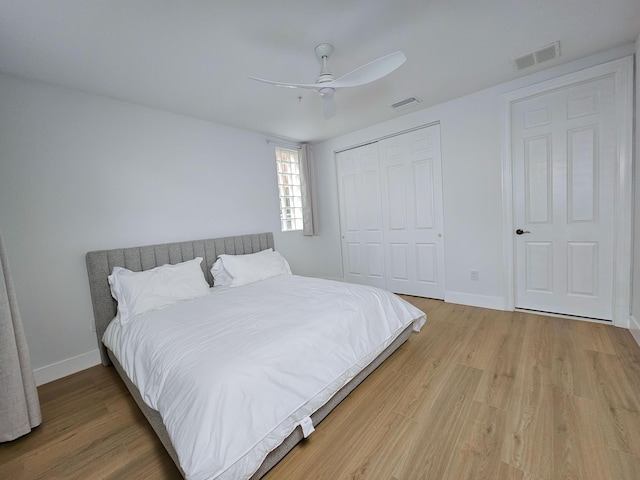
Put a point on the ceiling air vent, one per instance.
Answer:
(548, 52)
(406, 103)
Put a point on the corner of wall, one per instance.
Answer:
(634, 323)
(634, 328)
(57, 370)
(473, 300)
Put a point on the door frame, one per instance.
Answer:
(622, 70)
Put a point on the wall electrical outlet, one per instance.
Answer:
(474, 275)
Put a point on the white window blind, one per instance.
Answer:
(288, 166)
(294, 189)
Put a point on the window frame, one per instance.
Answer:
(289, 182)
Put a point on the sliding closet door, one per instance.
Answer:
(411, 183)
(390, 195)
(360, 215)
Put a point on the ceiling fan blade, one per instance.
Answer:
(370, 72)
(312, 86)
(329, 107)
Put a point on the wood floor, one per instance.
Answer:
(478, 394)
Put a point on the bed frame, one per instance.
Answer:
(99, 267)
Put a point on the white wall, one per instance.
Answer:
(635, 291)
(471, 156)
(80, 172)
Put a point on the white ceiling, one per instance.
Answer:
(193, 56)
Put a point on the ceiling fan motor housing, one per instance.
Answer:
(323, 51)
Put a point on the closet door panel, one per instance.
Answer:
(360, 216)
(411, 183)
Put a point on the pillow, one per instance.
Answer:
(221, 276)
(142, 292)
(252, 268)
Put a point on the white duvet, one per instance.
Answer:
(233, 373)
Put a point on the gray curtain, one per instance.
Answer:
(306, 180)
(19, 404)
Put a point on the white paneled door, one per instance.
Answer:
(563, 153)
(412, 212)
(391, 213)
(360, 215)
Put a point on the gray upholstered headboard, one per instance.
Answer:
(100, 264)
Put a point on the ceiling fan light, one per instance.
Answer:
(326, 92)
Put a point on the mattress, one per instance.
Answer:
(235, 372)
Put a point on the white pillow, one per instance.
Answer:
(141, 292)
(252, 268)
(220, 274)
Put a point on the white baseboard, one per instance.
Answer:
(66, 367)
(484, 301)
(634, 328)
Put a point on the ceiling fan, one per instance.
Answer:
(326, 84)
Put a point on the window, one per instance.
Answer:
(289, 188)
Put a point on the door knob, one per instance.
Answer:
(520, 231)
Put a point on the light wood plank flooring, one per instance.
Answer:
(478, 394)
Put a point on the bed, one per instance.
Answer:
(249, 324)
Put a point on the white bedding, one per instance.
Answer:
(234, 372)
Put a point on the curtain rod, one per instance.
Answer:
(284, 143)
